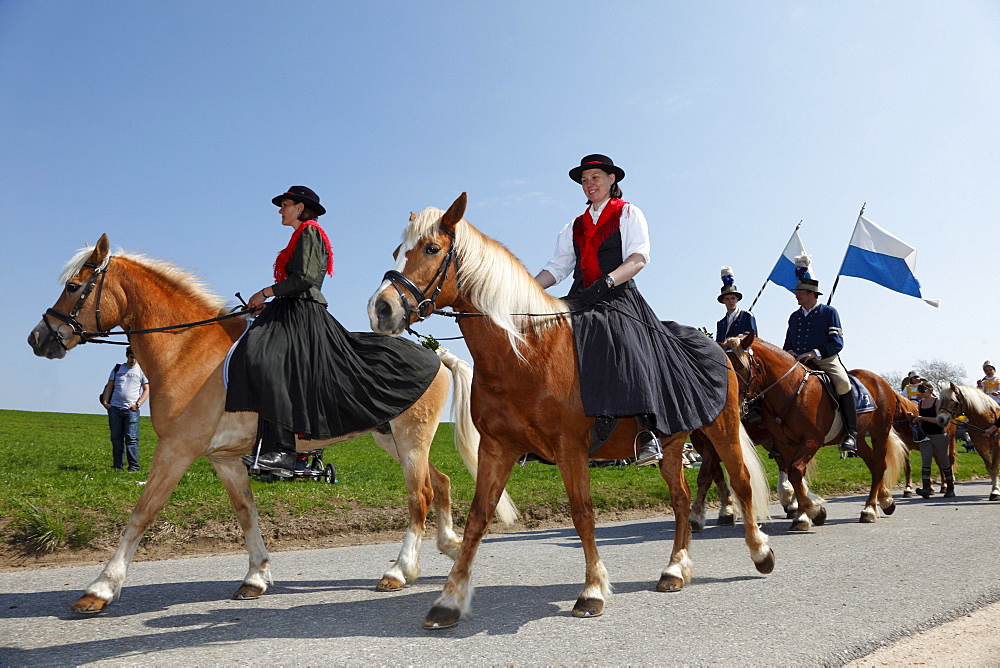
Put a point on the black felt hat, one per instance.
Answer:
(301, 194)
(597, 161)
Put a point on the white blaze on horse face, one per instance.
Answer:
(385, 291)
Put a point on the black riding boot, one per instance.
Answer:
(925, 490)
(949, 480)
(277, 449)
(849, 411)
(650, 451)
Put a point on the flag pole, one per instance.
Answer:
(837, 280)
(759, 292)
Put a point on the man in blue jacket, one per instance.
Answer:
(815, 338)
(737, 322)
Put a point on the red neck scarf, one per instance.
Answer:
(282, 260)
(589, 237)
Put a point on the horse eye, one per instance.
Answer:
(432, 248)
(72, 287)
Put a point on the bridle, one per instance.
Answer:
(96, 278)
(752, 399)
(425, 305)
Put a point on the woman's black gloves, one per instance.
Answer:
(597, 291)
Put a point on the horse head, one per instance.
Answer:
(76, 315)
(425, 276)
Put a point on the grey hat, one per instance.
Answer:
(810, 284)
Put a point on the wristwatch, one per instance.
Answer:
(609, 279)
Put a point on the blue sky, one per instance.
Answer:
(171, 125)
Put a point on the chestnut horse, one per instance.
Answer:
(526, 398)
(906, 407)
(184, 367)
(982, 412)
(801, 417)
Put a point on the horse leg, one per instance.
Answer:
(233, 475)
(678, 572)
(908, 487)
(895, 454)
(989, 450)
(786, 495)
(164, 474)
(710, 471)
(409, 444)
(810, 506)
(727, 504)
(874, 459)
(576, 478)
(495, 467)
(448, 542)
(747, 481)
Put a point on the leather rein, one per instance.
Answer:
(754, 371)
(97, 279)
(426, 306)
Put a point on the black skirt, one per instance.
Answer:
(299, 368)
(632, 364)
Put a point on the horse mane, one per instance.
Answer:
(191, 286)
(496, 282)
(976, 400)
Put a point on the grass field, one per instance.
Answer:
(58, 492)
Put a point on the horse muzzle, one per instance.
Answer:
(44, 344)
(386, 313)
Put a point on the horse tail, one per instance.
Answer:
(466, 434)
(758, 478)
(896, 453)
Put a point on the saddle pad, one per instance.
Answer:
(862, 397)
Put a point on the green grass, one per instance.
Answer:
(57, 489)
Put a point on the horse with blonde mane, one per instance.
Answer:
(526, 398)
(185, 368)
(982, 413)
(802, 417)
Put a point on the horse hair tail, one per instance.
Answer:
(466, 434)
(896, 453)
(758, 478)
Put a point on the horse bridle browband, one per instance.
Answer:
(425, 305)
(70, 319)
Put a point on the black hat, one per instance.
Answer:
(729, 285)
(303, 195)
(597, 161)
(810, 284)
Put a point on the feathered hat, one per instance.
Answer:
(806, 282)
(729, 285)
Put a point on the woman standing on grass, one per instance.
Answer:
(936, 445)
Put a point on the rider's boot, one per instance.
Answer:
(849, 411)
(925, 490)
(650, 451)
(277, 448)
(949, 479)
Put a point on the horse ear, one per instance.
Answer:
(454, 212)
(412, 216)
(953, 390)
(100, 251)
(747, 340)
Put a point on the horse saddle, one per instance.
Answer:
(863, 401)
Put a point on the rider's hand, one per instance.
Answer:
(597, 291)
(256, 300)
(806, 357)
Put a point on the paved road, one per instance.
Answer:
(836, 594)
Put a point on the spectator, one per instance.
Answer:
(910, 385)
(125, 392)
(936, 444)
(990, 383)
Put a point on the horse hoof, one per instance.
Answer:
(994, 497)
(588, 607)
(867, 517)
(696, 526)
(790, 513)
(389, 584)
(907, 494)
(88, 604)
(890, 509)
(726, 520)
(669, 583)
(248, 592)
(441, 618)
(801, 525)
(820, 518)
(767, 565)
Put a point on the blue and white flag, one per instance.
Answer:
(877, 256)
(783, 273)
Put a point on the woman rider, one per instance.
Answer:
(667, 376)
(299, 369)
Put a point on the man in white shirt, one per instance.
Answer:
(125, 392)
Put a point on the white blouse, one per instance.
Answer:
(635, 239)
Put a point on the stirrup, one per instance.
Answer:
(650, 452)
(849, 444)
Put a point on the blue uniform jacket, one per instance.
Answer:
(743, 323)
(820, 330)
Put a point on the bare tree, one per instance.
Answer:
(939, 371)
(894, 378)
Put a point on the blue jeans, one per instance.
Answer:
(124, 436)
